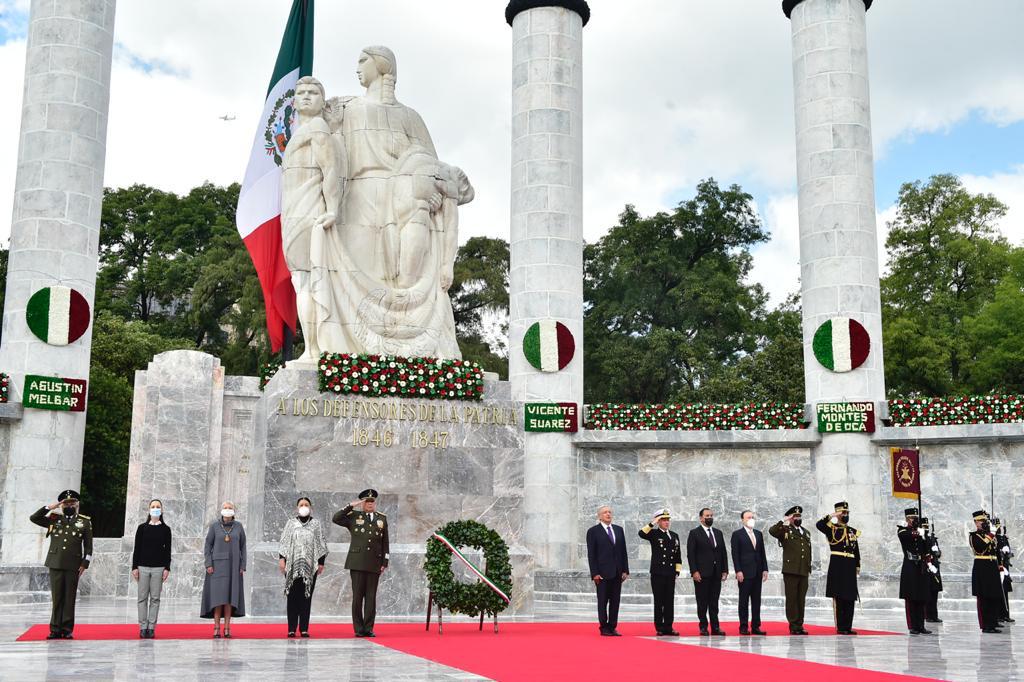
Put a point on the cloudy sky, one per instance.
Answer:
(674, 91)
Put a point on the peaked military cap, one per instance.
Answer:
(662, 513)
(912, 511)
(980, 515)
(68, 495)
(795, 509)
(842, 506)
(368, 494)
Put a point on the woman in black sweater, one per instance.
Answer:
(151, 564)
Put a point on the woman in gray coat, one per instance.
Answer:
(223, 590)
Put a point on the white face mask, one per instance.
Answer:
(749, 523)
(155, 512)
(303, 511)
(227, 513)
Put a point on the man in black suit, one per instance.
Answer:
(709, 567)
(751, 566)
(609, 568)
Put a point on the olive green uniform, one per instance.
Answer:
(796, 567)
(368, 555)
(70, 549)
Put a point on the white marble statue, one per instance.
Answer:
(381, 255)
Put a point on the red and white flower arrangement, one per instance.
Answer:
(391, 375)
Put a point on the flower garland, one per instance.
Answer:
(468, 599)
(390, 375)
(5, 383)
(976, 409)
(696, 417)
(268, 370)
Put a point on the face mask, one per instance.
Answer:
(845, 518)
(69, 511)
(227, 513)
(303, 511)
(155, 512)
(749, 523)
(985, 527)
(709, 522)
(798, 522)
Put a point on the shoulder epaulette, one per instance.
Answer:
(83, 516)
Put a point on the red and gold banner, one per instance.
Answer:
(906, 473)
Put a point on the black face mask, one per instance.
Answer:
(986, 527)
(798, 522)
(845, 518)
(69, 511)
(709, 522)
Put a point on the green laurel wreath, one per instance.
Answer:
(468, 599)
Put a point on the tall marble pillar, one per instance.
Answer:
(54, 241)
(546, 276)
(838, 239)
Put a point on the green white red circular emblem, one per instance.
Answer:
(549, 346)
(57, 315)
(841, 344)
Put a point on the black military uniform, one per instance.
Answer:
(70, 552)
(843, 565)
(368, 556)
(931, 540)
(985, 574)
(666, 563)
(914, 577)
(1005, 553)
(796, 567)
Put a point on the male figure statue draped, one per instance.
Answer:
(381, 213)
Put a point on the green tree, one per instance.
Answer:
(946, 260)
(997, 335)
(479, 296)
(667, 308)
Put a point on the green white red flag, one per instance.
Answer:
(58, 315)
(259, 203)
(841, 344)
(548, 345)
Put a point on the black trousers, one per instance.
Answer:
(364, 600)
(931, 609)
(750, 594)
(664, 589)
(988, 612)
(915, 610)
(796, 598)
(1004, 605)
(63, 592)
(608, 594)
(844, 613)
(707, 591)
(299, 604)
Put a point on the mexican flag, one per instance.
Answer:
(841, 344)
(548, 345)
(259, 204)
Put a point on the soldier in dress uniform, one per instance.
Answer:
(69, 555)
(915, 577)
(1005, 553)
(985, 585)
(368, 556)
(796, 565)
(843, 565)
(666, 563)
(931, 609)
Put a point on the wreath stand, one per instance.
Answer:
(440, 614)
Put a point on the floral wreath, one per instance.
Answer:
(470, 599)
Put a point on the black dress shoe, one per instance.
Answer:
(758, 631)
(368, 634)
(604, 633)
(143, 634)
(802, 632)
(291, 635)
(54, 635)
(925, 631)
(991, 631)
(67, 635)
(152, 633)
(915, 631)
(718, 633)
(933, 620)
(360, 634)
(703, 632)
(306, 634)
(615, 633)
(671, 633)
(743, 631)
(1007, 620)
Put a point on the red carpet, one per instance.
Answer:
(243, 630)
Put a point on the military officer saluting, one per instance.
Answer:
(666, 562)
(985, 580)
(915, 575)
(368, 556)
(796, 565)
(69, 555)
(843, 565)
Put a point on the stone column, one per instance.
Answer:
(54, 240)
(546, 276)
(838, 240)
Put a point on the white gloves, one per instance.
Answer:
(932, 568)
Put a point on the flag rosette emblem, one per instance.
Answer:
(841, 344)
(549, 346)
(58, 315)
(279, 126)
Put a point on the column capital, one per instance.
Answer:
(788, 5)
(516, 6)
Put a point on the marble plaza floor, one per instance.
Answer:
(959, 652)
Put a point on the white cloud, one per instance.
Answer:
(1008, 188)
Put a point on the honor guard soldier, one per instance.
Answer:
(796, 565)
(1005, 553)
(915, 576)
(843, 565)
(985, 584)
(931, 610)
(666, 563)
(368, 556)
(69, 555)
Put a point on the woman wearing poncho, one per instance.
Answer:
(301, 559)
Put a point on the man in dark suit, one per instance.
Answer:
(709, 567)
(609, 568)
(751, 566)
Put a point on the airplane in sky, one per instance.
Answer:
(227, 117)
